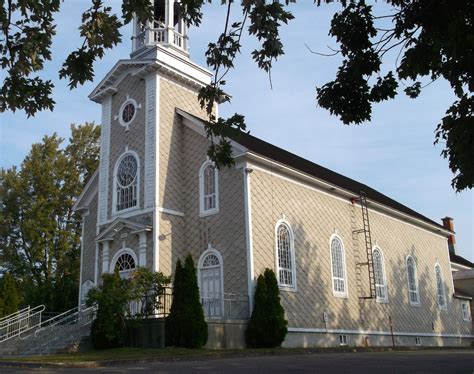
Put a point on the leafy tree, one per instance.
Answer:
(267, 327)
(111, 299)
(146, 287)
(9, 296)
(186, 326)
(40, 234)
(433, 40)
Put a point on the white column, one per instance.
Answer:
(105, 257)
(169, 9)
(142, 248)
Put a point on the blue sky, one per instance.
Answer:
(394, 153)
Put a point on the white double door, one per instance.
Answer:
(211, 292)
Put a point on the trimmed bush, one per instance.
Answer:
(111, 298)
(186, 326)
(267, 327)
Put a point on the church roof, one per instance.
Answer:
(284, 157)
(460, 260)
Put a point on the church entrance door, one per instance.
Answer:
(210, 282)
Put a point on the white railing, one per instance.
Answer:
(159, 34)
(61, 330)
(24, 311)
(225, 305)
(20, 322)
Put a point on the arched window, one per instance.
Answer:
(125, 261)
(412, 281)
(208, 189)
(338, 266)
(379, 273)
(285, 256)
(211, 283)
(126, 182)
(440, 287)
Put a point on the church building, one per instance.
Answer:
(354, 266)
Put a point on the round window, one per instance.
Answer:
(127, 171)
(128, 112)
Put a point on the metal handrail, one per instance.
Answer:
(4, 319)
(67, 315)
(21, 324)
(56, 334)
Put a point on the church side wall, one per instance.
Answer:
(314, 216)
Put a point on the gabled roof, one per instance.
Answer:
(284, 157)
(90, 189)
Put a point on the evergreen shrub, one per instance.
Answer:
(186, 326)
(267, 327)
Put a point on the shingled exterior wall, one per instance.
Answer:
(182, 152)
(314, 216)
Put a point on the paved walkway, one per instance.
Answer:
(449, 361)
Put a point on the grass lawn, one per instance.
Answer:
(142, 353)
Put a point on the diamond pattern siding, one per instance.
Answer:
(314, 217)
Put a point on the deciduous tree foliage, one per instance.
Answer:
(10, 298)
(40, 234)
(432, 38)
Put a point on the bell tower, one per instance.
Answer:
(167, 30)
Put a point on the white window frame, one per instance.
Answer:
(283, 286)
(118, 117)
(443, 291)
(203, 256)
(119, 253)
(465, 310)
(202, 211)
(335, 293)
(418, 341)
(116, 212)
(342, 340)
(384, 275)
(415, 276)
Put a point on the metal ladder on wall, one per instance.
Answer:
(368, 245)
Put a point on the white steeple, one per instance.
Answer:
(166, 30)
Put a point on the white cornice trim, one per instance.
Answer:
(171, 212)
(198, 126)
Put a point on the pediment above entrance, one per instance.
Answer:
(119, 226)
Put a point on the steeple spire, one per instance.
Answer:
(166, 30)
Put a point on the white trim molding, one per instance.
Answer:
(104, 160)
(248, 234)
(336, 293)
(281, 285)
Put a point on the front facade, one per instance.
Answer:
(157, 197)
